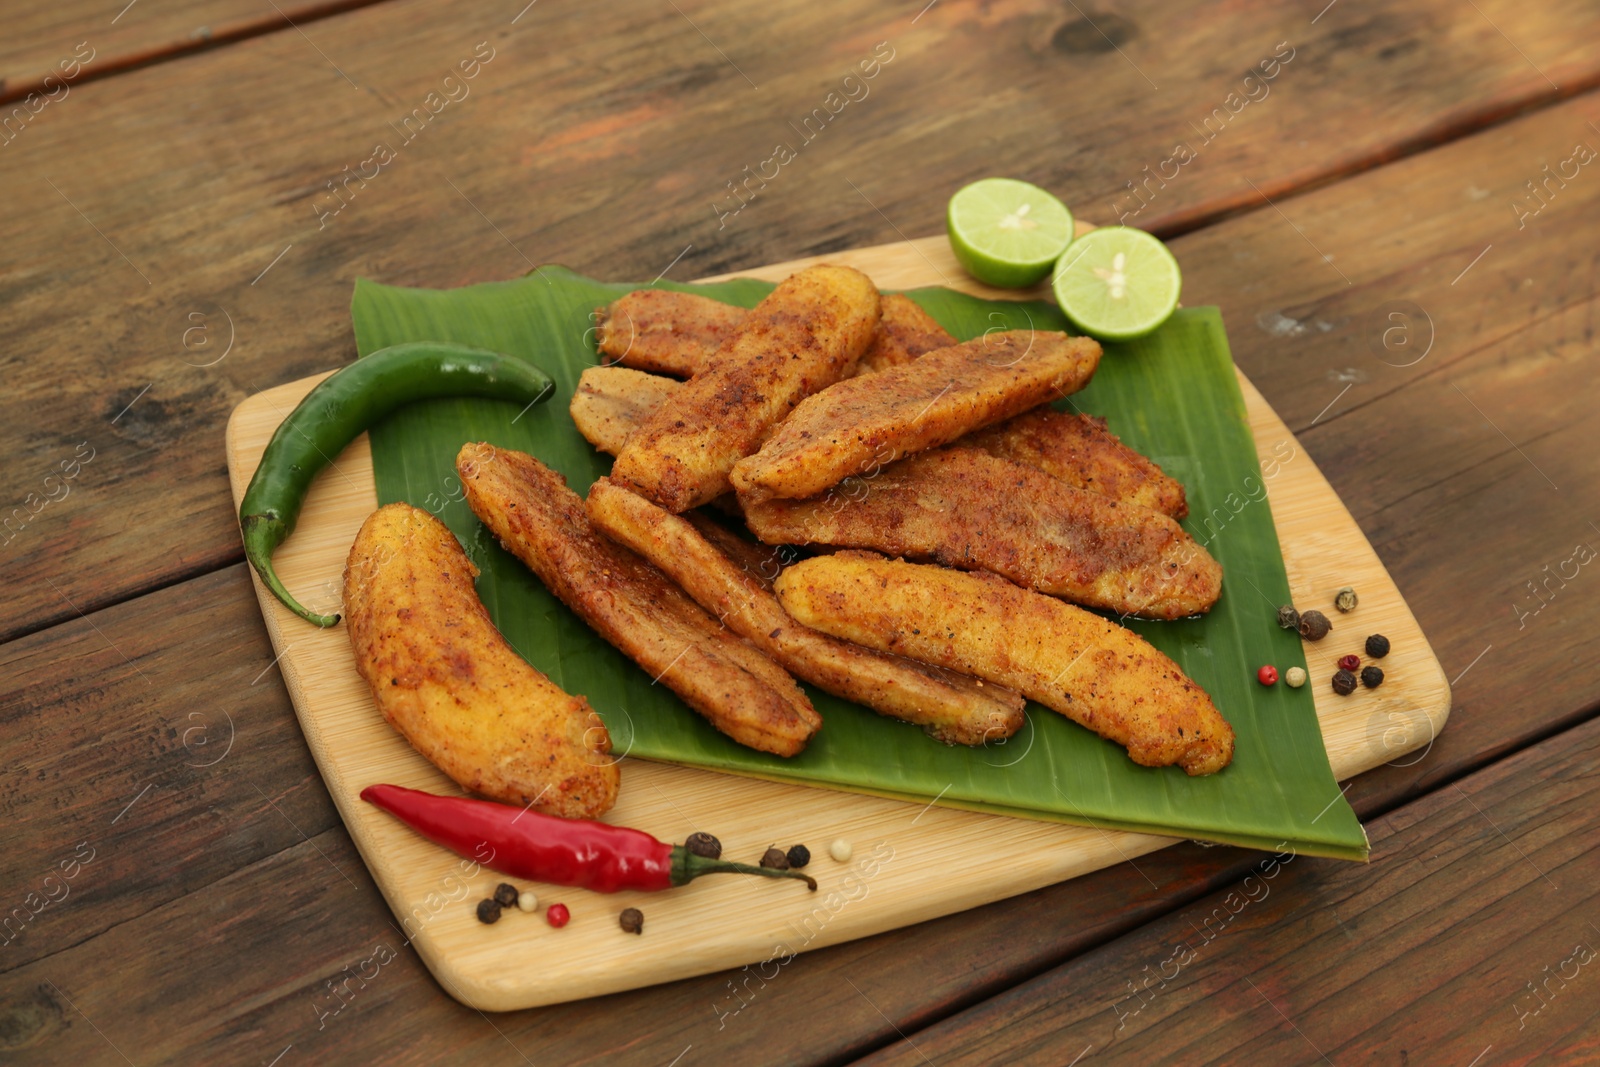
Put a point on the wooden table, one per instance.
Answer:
(1400, 227)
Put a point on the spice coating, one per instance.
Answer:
(950, 707)
(528, 507)
(679, 333)
(1088, 668)
(611, 402)
(442, 675)
(966, 509)
(874, 419)
(805, 335)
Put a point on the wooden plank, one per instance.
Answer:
(157, 736)
(1472, 931)
(605, 139)
(50, 48)
(943, 861)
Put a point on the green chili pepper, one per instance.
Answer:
(345, 404)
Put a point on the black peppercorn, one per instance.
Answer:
(1371, 677)
(704, 845)
(798, 857)
(1344, 683)
(1314, 625)
(1288, 618)
(632, 920)
(488, 910)
(1345, 599)
(505, 895)
(1377, 646)
(776, 859)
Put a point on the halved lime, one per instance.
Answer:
(1117, 283)
(1008, 233)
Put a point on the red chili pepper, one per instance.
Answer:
(546, 848)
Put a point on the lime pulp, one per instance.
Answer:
(1007, 233)
(1117, 283)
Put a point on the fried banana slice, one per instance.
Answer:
(1083, 452)
(666, 332)
(905, 332)
(679, 333)
(1078, 449)
(450, 684)
(611, 402)
(861, 424)
(964, 508)
(807, 334)
(1091, 670)
(950, 707)
(529, 508)
(763, 563)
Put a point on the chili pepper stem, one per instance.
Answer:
(260, 537)
(686, 866)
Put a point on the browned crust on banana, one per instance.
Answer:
(966, 509)
(806, 335)
(630, 603)
(859, 425)
(445, 678)
(951, 707)
(1096, 673)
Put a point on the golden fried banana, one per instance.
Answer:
(611, 402)
(861, 424)
(663, 331)
(967, 509)
(904, 333)
(761, 562)
(1083, 452)
(1078, 449)
(529, 508)
(679, 333)
(806, 335)
(1091, 670)
(450, 684)
(950, 707)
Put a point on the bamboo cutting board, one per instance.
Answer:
(911, 861)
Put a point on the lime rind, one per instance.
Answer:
(1007, 233)
(1117, 283)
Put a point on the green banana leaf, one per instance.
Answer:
(1172, 396)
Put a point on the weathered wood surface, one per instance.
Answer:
(49, 48)
(1472, 937)
(155, 217)
(215, 924)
